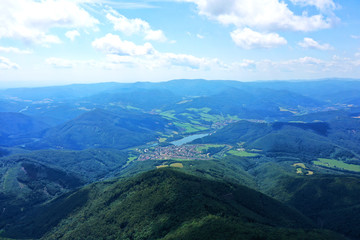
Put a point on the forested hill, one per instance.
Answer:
(166, 204)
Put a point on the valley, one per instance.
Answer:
(167, 160)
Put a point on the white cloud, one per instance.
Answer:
(355, 37)
(159, 60)
(120, 52)
(306, 60)
(323, 5)
(311, 65)
(156, 66)
(112, 44)
(6, 64)
(31, 20)
(311, 43)
(245, 64)
(14, 50)
(248, 39)
(60, 62)
(123, 5)
(134, 26)
(155, 35)
(72, 34)
(200, 36)
(185, 60)
(268, 15)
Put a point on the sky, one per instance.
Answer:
(57, 42)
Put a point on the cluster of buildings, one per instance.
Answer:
(173, 152)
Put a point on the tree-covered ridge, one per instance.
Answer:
(166, 204)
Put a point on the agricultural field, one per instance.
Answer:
(190, 128)
(174, 165)
(177, 165)
(301, 167)
(170, 115)
(242, 153)
(205, 147)
(162, 166)
(287, 110)
(333, 163)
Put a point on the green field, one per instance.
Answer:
(132, 107)
(207, 146)
(235, 118)
(205, 109)
(177, 165)
(189, 128)
(332, 163)
(211, 118)
(131, 158)
(168, 115)
(242, 153)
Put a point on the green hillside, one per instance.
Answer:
(40, 176)
(304, 140)
(104, 129)
(332, 201)
(165, 204)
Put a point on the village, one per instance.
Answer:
(173, 152)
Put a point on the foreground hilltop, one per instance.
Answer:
(166, 204)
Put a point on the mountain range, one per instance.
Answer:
(183, 159)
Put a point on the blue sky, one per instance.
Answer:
(55, 42)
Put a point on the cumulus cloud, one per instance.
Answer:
(60, 62)
(14, 50)
(6, 64)
(310, 65)
(127, 53)
(245, 64)
(322, 5)
(311, 43)
(134, 26)
(262, 18)
(31, 20)
(269, 15)
(113, 44)
(305, 60)
(248, 39)
(185, 60)
(72, 34)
